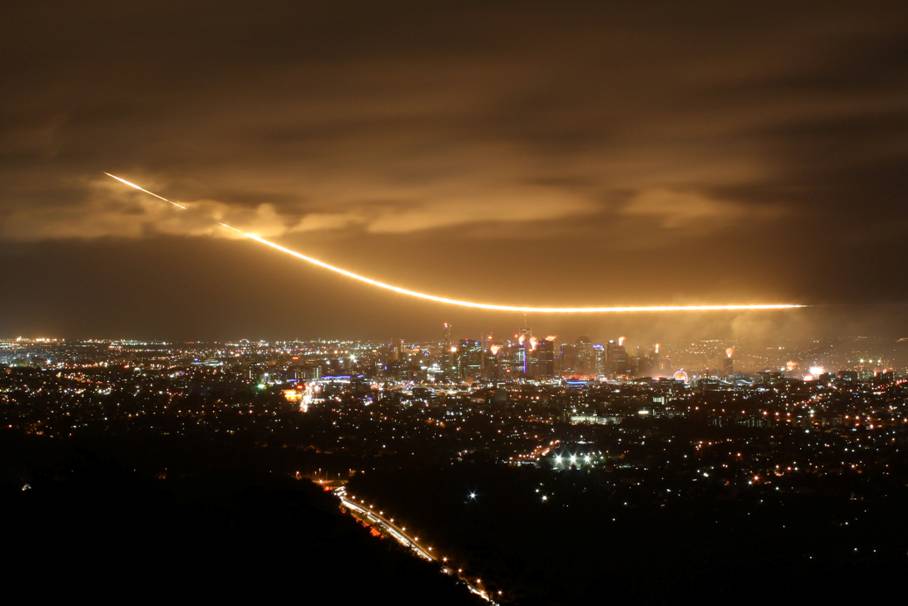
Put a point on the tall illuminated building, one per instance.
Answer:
(507, 360)
(526, 342)
(542, 358)
(448, 358)
(584, 357)
(521, 357)
(446, 337)
(728, 362)
(598, 359)
(616, 358)
(492, 367)
(469, 358)
(568, 358)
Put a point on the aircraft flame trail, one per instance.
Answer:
(471, 304)
(145, 191)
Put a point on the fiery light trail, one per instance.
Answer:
(145, 191)
(472, 304)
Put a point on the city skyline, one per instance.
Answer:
(527, 355)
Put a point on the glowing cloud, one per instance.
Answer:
(472, 304)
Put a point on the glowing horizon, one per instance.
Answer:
(473, 304)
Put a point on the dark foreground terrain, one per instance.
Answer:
(112, 519)
(103, 519)
(835, 541)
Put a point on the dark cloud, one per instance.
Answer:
(530, 152)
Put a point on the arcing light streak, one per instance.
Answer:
(497, 307)
(473, 304)
(145, 191)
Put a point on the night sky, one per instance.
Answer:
(515, 153)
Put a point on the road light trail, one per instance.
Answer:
(400, 535)
(527, 309)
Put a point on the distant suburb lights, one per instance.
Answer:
(472, 304)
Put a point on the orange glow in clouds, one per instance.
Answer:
(415, 294)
